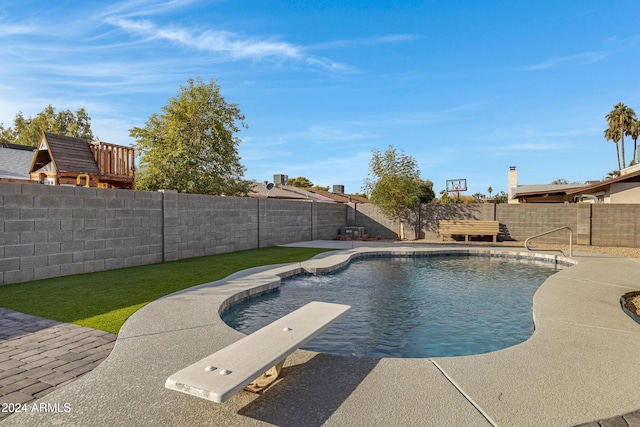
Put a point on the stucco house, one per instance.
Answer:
(623, 189)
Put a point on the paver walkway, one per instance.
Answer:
(39, 355)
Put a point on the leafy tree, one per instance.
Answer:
(619, 121)
(192, 147)
(7, 134)
(563, 181)
(393, 183)
(28, 131)
(427, 195)
(478, 197)
(320, 187)
(613, 174)
(446, 199)
(501, 197)
(300, 182)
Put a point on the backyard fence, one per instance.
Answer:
(50, 231)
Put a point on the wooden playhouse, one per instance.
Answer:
(64, 160)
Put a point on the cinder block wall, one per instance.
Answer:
(615, 225)
(284, 221)
(375, 224)
(48, 231)
(53, 231)
(432, 213)
(521, 221)
(199, 225)
(328, 219)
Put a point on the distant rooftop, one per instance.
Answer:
(282, 191)
(523, 190)
(17, 146)
(15, 160)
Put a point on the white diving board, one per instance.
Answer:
(224, 373)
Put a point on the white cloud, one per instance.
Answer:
(225, 43)
(136, 8)
(364, 41)
(578, 59)
(535, 146)
(325, 133)
(7, 30)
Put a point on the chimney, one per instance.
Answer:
(512, 183)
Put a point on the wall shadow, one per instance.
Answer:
(311, 392)
(504, 235)
(431, 214)
(14, 324)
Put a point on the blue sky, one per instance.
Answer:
(468, 88)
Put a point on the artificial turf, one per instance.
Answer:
(105, 299)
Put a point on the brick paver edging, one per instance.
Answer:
(39, 355)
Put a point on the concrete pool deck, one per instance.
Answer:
(580, 365)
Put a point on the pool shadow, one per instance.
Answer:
(311, 392)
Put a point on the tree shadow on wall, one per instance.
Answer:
(413, 224)
(432, 214)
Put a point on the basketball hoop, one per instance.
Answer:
(456, 186)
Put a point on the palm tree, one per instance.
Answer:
(613, 135)
(619, 120)
(634, 132)
(612, 174)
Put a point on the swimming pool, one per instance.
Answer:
(412, 306)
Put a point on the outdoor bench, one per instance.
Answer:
(468, 228)
(224, 373)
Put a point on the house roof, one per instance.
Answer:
(281, 191)
(67, 154)
(341, 197)
(15, 160)
(545, 189)
(17, 146)
(600, 186)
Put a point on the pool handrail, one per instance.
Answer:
(526, 242)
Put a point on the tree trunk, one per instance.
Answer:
(622, 144)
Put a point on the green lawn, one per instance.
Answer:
(104, 300)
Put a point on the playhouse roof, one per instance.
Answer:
(67, 154)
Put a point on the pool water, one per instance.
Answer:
(411, 307)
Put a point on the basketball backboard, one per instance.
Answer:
(456, 185)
